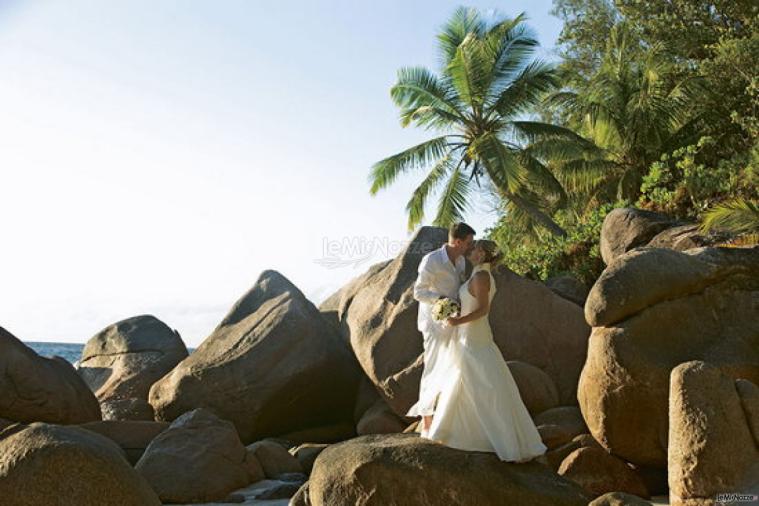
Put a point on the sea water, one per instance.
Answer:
(70, 351)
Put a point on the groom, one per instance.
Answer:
(441, 272)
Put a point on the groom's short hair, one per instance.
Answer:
(460, 230)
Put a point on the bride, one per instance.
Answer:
(479, 406)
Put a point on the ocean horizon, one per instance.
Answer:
(72, 352)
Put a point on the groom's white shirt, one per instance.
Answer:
(437, 277)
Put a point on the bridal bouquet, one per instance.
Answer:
(444, 309)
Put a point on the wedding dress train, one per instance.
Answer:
(479, 407)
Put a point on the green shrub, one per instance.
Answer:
(546, 255)
(679, 185)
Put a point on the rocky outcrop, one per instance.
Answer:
(378, 316)
(272, 366)
(123, 360)
(558, 426)
(334, 307)
(380, 323)
(199, 458)
(626, 228)
(683, 237)
(306, 454)
(34, 388)
(749, 395)
(323, 434)
(569, 288)
(653, 309)
(52, 464)
(536, 388)
(619, 499)
(406, 469)
(127, 409)
(379, 419)
(274, 458)
(711, 448)
(532, 324)
(132, 436)
(598, 472)
(555, 456)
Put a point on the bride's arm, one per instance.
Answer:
(481, 289)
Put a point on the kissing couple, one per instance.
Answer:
(468, 398)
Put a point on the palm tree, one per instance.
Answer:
(486, 80)
(634, 109)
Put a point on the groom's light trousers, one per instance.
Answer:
(435, 345)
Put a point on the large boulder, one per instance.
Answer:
(599, 472)
(334, 307)
(568, 287)
(306, 454)
(132, 436)
(749, 394)
(619, 499)
(380, 322)
(132, 408)
(274, 458)
(56, 465)
(272, 366)
(530, 323)
(626, 228)
(555, 456)
(38, 389)
(123, 360)
(323, 434)
(684, 237)
(558, 426)
(199, 458)
(407, 469)
(536, 388)
(379, 419)
(652, 310)
(711, 448)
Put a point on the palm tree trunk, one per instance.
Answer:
(537, 215)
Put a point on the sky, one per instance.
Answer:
(156, 156)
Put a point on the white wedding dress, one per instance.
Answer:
(479, 407)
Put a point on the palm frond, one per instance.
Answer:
(418, 87)
(453, 199)
(526, 89)
(428, 117)
(415, 206)
(468, 72)
(585, 176)
(739, 216)
(561, 149)
(541, 179)
(384, 172)
(533, 130)
(465, 20)
(500, 162)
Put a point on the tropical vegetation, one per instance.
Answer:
(652, 104)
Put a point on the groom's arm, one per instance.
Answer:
(424, 286)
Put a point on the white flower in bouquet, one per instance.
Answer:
(444, 309)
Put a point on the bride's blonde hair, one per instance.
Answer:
(492, 254)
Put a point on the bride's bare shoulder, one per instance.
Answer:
(481, 278)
